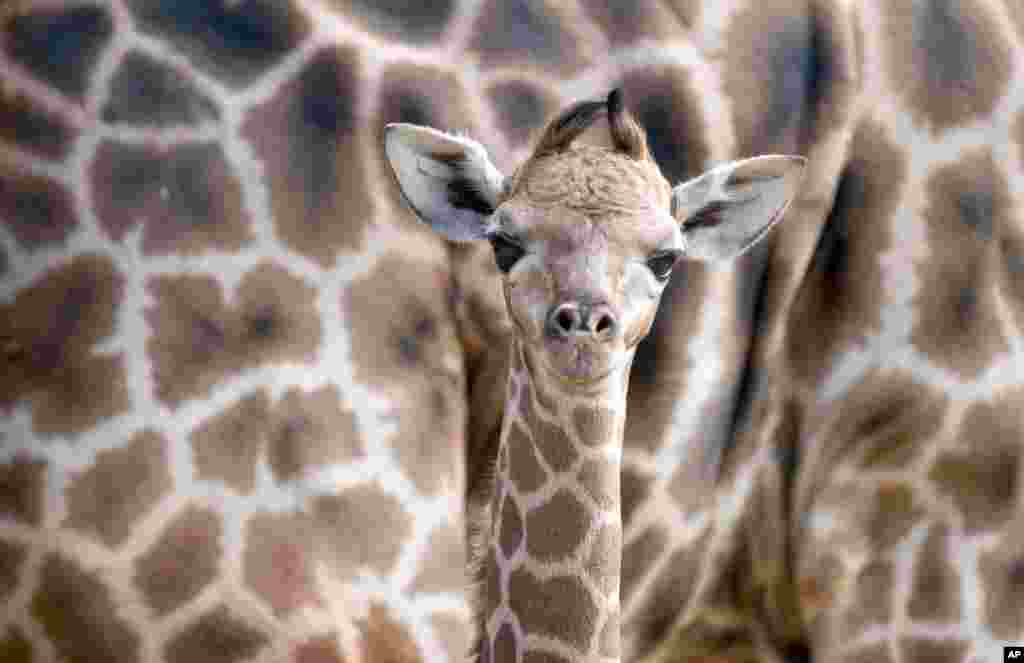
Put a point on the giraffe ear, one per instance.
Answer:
(448, 181)
(727, 210)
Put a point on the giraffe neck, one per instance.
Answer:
(553, 560)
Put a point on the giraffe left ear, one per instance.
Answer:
(448, 181)
(727, 210)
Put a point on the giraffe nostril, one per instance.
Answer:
(570, 319)
(602, 321)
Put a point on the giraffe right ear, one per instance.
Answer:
(729, 209)
(448, 181)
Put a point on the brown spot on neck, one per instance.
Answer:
(525, 470)
(553, 443)
(543, 657)
(556, 530)
(596, 425)
(505, 645)
(560, 607)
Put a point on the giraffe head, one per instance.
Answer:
(586, 236)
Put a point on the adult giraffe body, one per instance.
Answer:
(212, 418)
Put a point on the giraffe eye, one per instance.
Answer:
(507, 251)
(661, 264)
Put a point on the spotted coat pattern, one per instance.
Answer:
(248, 406)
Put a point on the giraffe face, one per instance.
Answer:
(585, 244)
(584, 235)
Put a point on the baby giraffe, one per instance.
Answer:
(585, 237)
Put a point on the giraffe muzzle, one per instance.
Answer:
(594, 322)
